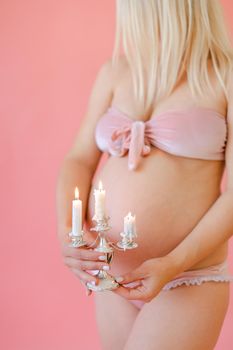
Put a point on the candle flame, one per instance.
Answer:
(76, 193)
(100, 185)
(128, 215)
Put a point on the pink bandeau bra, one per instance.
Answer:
(195, 132)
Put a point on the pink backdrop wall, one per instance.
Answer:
(49, 54)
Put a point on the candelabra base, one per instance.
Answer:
(106, 282)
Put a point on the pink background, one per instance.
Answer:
(50, 53)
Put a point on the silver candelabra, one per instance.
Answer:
(106, 281)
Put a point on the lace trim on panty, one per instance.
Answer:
(197, 281)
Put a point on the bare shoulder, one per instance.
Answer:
(84, 148)
(112, 73)
(120, 70)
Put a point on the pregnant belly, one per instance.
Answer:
(168, 195)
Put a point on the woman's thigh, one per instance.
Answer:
(115, 317)
(186, 317)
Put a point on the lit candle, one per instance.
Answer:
(76, 215)
(99, 201)
(126, 223)
(130, 225)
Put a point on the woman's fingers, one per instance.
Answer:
(83, 254)
(84, 276)
(138, 293)
(85, 264)
(83, 260)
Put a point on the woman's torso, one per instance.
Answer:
(169, 194)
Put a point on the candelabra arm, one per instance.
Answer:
(115, 246)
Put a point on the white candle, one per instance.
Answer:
(76, 214)
(126, 224)
(130, 225)
(99, 201)
(134, 232)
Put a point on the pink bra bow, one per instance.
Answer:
(133, 139)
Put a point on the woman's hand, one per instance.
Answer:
(148, 279)
(80, 260)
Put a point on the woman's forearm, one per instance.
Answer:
(73, 172)
(215, 227)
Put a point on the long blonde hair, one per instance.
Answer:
(163, 38)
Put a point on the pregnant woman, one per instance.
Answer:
(162, 112)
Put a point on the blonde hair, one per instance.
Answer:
(164, 38)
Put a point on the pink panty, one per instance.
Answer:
(216, 273)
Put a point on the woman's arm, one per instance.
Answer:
(213, 229)
(80, 163)
(78, 169)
